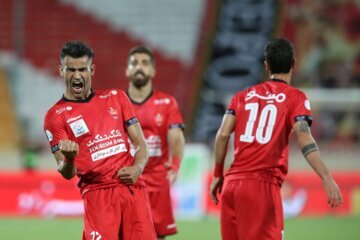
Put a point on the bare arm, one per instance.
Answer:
(176, 143)
(311, 153)
(130, 174)
(221, 145)
(222, 138)
(65, 158)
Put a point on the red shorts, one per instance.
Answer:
(162, 213)
(251, 209)
(118, 213)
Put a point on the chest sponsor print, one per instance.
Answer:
(154, 143)
(106, 145)
(107, 152)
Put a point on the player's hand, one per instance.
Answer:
(215, 188)
(334, 196)
(69, 149)
(130, 174)
(172, 176)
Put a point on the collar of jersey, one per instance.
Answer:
(143, 101)
(278, 80)
(92, 94)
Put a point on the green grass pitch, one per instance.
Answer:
(327, 228)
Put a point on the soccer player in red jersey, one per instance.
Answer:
(88, 132)
(162, 123)
(263, 118)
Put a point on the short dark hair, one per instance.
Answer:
(280, 56)
(76, 49)
(142, 49)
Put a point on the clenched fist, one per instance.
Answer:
(69, 149)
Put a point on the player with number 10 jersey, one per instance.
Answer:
(264, 116)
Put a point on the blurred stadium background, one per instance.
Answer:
(206, 50)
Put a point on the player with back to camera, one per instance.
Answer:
(88, 133)
(263, 118)
(162, 123)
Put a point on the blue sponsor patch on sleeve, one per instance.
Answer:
(131, 121)
(230, 111)
(307, 118)
(55, 148)
(177, 125)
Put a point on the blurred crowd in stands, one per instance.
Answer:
(326, 35)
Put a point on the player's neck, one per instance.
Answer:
(69, 96)
(139, 94)
(282, 76)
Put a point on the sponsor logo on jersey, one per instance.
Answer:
(159, 119)
(162, 101)
(154, 143)
(60, 110)
(101, 138)
(270, 97)
(104, 96)
(79, 127)
(307, 104)
(114, 113)
(107, 152)
(74, 118)
(49, 135)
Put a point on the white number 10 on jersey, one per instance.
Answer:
(268, 112)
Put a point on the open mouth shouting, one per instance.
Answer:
(77, 86)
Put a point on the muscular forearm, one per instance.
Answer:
(311, 152)
(176, 143)
(177, 147)
(221, 144)
(141, 156)
(318, 165)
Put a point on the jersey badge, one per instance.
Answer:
(307, 104)
(79, 127)
(159, 119)
(49, 135)
(114, 113)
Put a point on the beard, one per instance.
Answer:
(139, 82)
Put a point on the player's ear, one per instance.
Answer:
(92, 68)
(61, 70)
(293, 63)
(266, 65)
(153, 72)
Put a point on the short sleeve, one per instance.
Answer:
(300, 109)
(127, 110)
(54, 130)
(175, 119)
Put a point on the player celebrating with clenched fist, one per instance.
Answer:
(88, 133)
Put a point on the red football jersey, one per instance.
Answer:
(265, 114)
(98, 124)
(158, 113)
